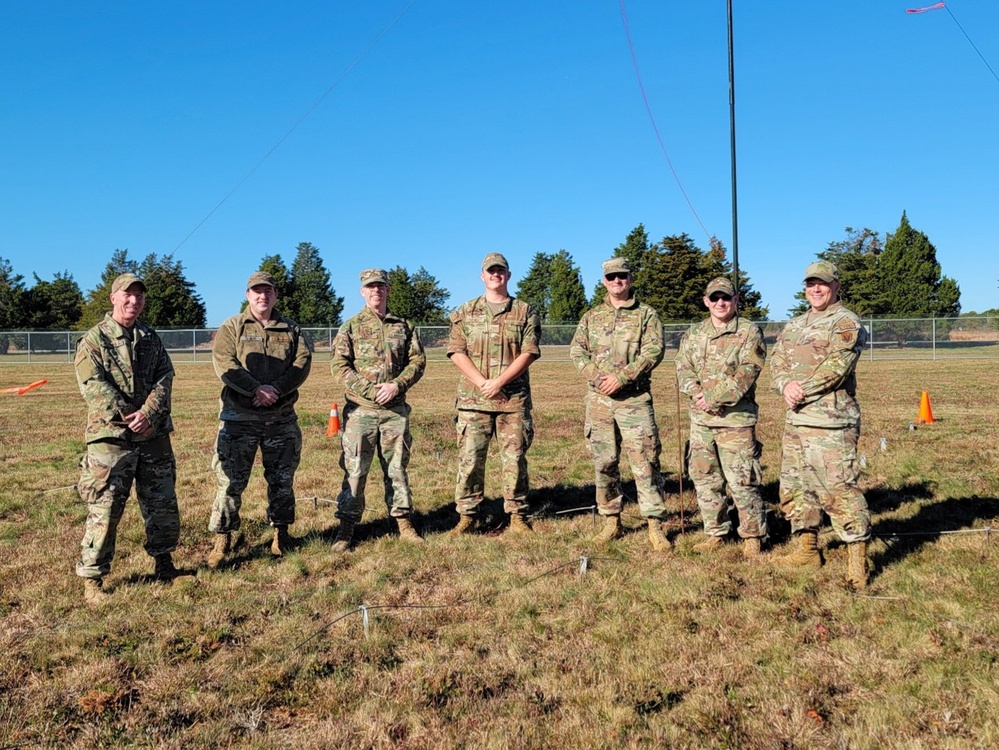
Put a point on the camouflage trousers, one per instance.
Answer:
(612, 425)
(280, 446)
(720, 456)
(514, 433)
(368, 431)
(108, 471)
(819, 473)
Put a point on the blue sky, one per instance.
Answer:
(515, 126)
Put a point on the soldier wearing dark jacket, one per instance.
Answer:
(262, 358)
(125, 376)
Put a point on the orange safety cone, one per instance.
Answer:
(333, 425)
(925, 410)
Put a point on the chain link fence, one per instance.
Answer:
(908, 338)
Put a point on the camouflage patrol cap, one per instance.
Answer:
(494, 259)
(616, 265)
(258, 278)
(125, 280)
(374, 276)
(822, 269)
(720, 284)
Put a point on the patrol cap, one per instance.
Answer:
(494, 259)
(822, 269)
(374, 276)
(720, 284)
(125, 280)
(258, 278)
(616, 265)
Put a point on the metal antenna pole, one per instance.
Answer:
(731, 120)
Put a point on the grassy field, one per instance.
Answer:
(491, 642)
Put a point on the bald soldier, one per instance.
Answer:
(615, 348)
(378, 357)
(813, 365)
(717, 365)
(493, 340)
(126, 378)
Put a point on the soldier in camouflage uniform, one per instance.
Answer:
(378, 357)
(812, 364)
(262, 358)
(493, 340)
(616, 346)
(125, 376)
(717, 365)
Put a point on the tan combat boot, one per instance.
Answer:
(657, 537)
(610, 531)
(519, 524)
(806, 555)
(164, 571)
(857, 567)
(466, 525)
(281, 543)
(344, 535)
(751, 547)
(710, 544)
(407, 532)
(221, 548)
(93, 592)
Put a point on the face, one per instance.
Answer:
(261, 299)
(820, 294)
(721, 306)
(496, 278)
(127, 304)
(617, 284)
(375, 295)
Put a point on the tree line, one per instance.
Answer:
(896, 274)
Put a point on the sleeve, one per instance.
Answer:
(780, 372)
(156, 407)
(293, 377)
(96, 385)
(731, 388)
(846, 343)
(456, 340)
(579, 350)
(686, 374)
(650, 351)
(416, 361)
(342, 364)
(531, 342)
(227, 365)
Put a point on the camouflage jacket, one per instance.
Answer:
(493, 342)
(116, 379)
(626, 342)
(821, 354)
(248, 355)
(370, 350)
(724, 366)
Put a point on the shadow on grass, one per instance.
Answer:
(904, 537)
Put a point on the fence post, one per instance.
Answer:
(872, 338)
(934, 339)
(29, 347)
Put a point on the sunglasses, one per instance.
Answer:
(615, 276)
(718, 296)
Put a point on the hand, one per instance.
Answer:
(608, 385)
(386, 393)
(265, 395)
(137, 423)
(492, 388)
(701, 403)
(794, 394)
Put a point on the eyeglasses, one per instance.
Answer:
(615, 276)
(717, 296)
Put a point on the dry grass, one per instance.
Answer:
(640, 650)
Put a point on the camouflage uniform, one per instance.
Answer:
(626, 343)
(370, 350)
(819, 467)
(120, 372)
(247, 355)
(724, 365)
(493, 341)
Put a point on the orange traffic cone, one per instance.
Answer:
(333, 426)
(925, 410)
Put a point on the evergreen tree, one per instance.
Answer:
(567, 295)
(418, 298)
(534, 287)
(856, 257)
(12, 312)
(313, 301)
(635, 247)
(673, 277)
(910, 277)
(171, 300)
(98, 301)
(750, 300)
(54, 305)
